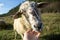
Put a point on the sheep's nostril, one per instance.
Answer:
(35, 26)
(40, 26)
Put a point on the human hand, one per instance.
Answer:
(31, 35)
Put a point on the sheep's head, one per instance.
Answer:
(30, 10)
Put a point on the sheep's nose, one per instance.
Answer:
(38, 27)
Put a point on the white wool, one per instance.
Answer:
(21, 24)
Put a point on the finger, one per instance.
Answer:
(38, 34)
(27, 32)
(33, 32)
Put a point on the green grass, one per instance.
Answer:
(8, 35)
(51, 28)
(51, 22)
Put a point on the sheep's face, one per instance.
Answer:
(30, 10)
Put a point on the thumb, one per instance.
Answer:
(38, 34)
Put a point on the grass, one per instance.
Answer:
(8, 35)
(51, 28)
(51, 22)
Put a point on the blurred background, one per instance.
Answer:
(50, 18)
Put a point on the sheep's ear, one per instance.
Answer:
(42, 4)
(17, 15)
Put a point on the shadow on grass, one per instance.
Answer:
(51, 37)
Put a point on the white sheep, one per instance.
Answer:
(28, 17)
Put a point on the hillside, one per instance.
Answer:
(11, 12)
(52, 7)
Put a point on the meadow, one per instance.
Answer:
(51, 28)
